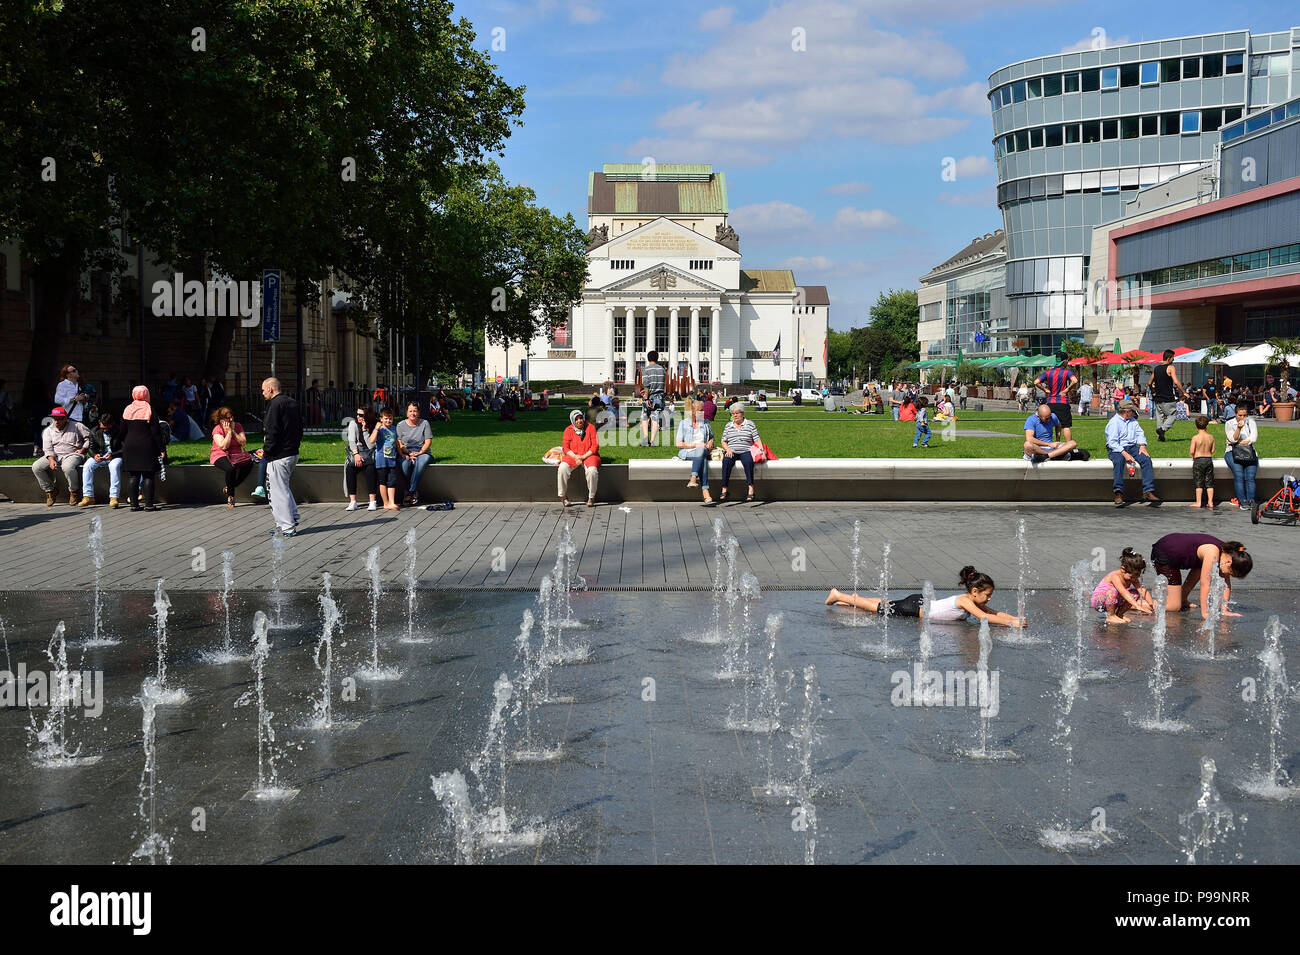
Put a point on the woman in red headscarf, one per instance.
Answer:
(142, 447)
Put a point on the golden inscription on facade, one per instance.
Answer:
(662, 241)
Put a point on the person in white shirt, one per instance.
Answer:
(1242, 432)
(1126, 444)
(1085, 398)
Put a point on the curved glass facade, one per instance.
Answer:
(1076, 134)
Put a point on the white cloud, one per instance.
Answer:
(974, 167)
(848, 188)
(775, 216)
(816, 263)
(987, 197)
(715, 19)
(1096, 41)
(582, 13)
(852, 218)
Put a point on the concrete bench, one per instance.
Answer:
(949, 479)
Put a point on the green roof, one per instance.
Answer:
(673, 189)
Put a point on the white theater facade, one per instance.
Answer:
(664, 274)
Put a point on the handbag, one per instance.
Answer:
(239, 457)
(1245, 455)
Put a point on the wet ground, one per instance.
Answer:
(649, 771)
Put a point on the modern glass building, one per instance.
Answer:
(1076, 134)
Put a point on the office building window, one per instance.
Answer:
(1036, 138)
(1212, 65)
(1150, 125)
(1211, 120)
(1128, 74)
(1018, 92)
(1073, 133)
(1191, 123)
(1150, 73)
(1052, 85)
(1232, 63)
(1110, 129)
(1128, 127)
(1070, 82)
(1170, 71)
(1168, 124)
(1091, 80)
(1034, 88)
(1055, 136)
(1110, 78)
(1231, 114)
(1191, 67)
(1092, 132)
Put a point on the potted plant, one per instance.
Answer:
(1282, 351)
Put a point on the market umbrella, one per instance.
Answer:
(1081, 361)
(1192, 357)
(1257, 355)
(1040, 361)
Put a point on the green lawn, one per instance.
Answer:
(481, 439)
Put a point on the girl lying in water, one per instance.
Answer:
(970, 605)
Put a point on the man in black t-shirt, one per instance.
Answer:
(1165, 387)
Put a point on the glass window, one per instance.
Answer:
(1072, 181)
(1279, 64)
(1092, 132)
(1212, 64)
(1055, 136)
(1018, 92)
(1110, 78)
(1292, 109)
(1036, 138)
(1052, 85)
(1286, 255)
(1035, 87)
(1072, 133)
(1211, 120)
(1008, 143)
(1150, 125)
(1091, 80)
(1150, 73)
(1259, 65)
(1191, 123)
(1233, 132)
(1110, 180)
(1170, 71)
(1128, 127)
(1191, 67)
(1091, 181)
(1128, 178)
(1128, 74)
(1022, 140)
(1232, 113)
(1168, 124)
(1232, 63)
(1070, 81)
(1110, 129)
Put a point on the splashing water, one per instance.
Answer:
(926, 646)
(882, 650)
(373, 670)
(453, 792)
(1209, 821)
(525, 688)
(227, 653)
(277, 570)
(803, 737)
(1080, 595)
(855, 558)
(565, 578)
(411, 580)
(50, 748)
(987, 685)
(493, 753)
(1160, 679)
(1214, 611)
(1018, 636)
(155, 845)
(1066, 838)
(4, 636)
(95, 544)
(323, 715)
(1273, 782)
(714, 634)
(735, 661)
(268, 778)
(163, 694)
(768, 718)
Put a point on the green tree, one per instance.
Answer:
(898, 313)
(231, 148)
(840, 358)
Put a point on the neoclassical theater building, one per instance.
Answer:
(664, 274)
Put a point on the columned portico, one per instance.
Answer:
(694, 350)
(609, 338)
(715, 343)
(671, 357)
(629, 345)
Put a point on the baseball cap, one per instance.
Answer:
(58, 412)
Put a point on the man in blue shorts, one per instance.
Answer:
(1040, 432)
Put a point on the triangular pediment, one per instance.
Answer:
(664, 238)
(662, 278)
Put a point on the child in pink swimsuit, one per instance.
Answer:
(1121, 590)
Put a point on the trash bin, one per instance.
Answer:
(979, 406)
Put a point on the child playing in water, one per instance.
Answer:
(1121, 590)
(971, 604)
(1202, 452)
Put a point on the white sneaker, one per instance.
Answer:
(352, 506)
(374, 506)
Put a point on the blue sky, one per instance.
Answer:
(834, 153)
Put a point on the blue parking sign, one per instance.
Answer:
(270, 305)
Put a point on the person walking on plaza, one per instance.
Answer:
(579, 449)
(281, 441)
(1126, 444)
(652, 380)
(104, 451)
(963, 392)
(922, 427)
(143, 448)
(1165, 388)
(63, 444)
(1085, 399)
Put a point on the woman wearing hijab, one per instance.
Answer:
(580, 449)
(142, 445)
